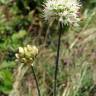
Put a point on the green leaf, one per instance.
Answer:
(6, 79)
(6, 64)
(19, 35)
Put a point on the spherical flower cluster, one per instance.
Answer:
(27, 54)
(64, 11)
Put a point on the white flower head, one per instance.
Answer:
(64, 11)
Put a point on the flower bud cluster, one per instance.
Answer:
(27, 54)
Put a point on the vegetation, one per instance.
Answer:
(22, 24)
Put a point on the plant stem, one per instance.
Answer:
(57, 59)
(36, 81)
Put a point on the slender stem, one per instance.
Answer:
(57, 60)
(36, 81)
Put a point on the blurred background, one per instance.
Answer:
(21, 23)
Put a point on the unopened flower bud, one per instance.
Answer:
(17, 56)
(21, 50)
(26, 54)
(35, 52)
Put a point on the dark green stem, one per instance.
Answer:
(37, 85)
(57, 59)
